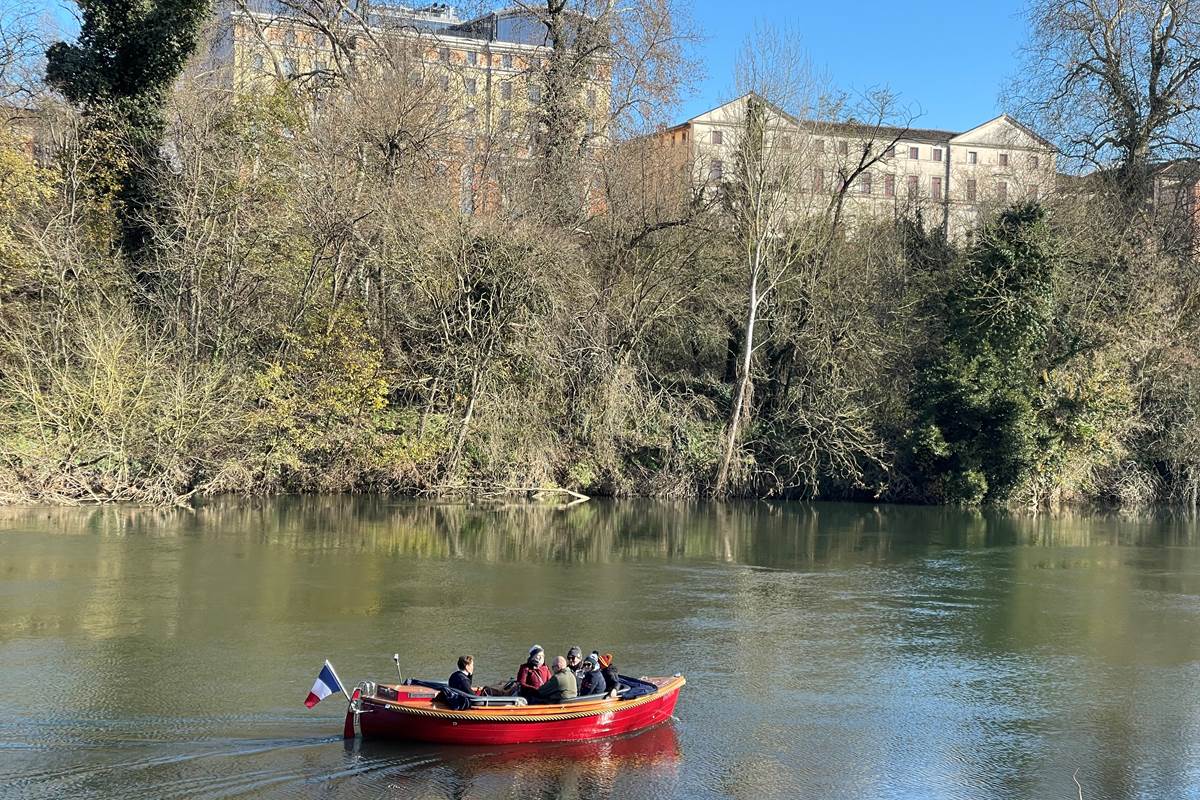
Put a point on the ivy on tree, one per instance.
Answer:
(976, 427)
(120, 71)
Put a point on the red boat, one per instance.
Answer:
(410, 712)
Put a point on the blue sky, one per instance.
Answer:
(947, 61)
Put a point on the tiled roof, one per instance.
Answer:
(885, 131)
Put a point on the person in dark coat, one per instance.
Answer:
(609, 670)
(461, 679)
(561, 685)
(593, 679)
(533, 673)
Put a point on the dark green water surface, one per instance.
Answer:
(831, 651)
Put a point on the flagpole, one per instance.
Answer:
(338, 678)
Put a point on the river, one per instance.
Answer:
(831, 651)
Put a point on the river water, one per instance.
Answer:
(831, 651)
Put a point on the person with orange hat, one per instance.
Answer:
(609, 670)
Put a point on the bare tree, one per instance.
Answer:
(21, 47)
(787, 196)
(633, 57)
(1118, 80)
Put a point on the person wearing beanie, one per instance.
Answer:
(533, 673)
(608, 669)
(593, 679)
(575, 661)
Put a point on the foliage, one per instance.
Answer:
(320, 309)
(974, 437)
(120, 70)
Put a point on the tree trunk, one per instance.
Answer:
(739, 411)
(461, 441)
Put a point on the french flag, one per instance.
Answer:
(326, 684)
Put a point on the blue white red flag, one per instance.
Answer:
(327, 683)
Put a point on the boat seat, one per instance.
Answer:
(485, 702)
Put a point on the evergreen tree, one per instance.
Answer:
(974, 397)
(120, 71)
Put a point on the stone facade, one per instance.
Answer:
(950, 178)
(485, 76)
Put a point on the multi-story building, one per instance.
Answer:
(1175, 202)
(952, 178)
(484, 76)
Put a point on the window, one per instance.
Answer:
(506, 61)
(821, 147)
(591, 98)
(937, 154)
(506, 90)
(1002, 190)
(505, 118)
(535, 94)
(913, 186)
(889, 185)
(1004, 159)
(914, 153)
(716, 171)
(1034, 162)
(472, 57)
(591, 127)
(470, 85)
(890, 152)
(289, 67)
(257, 61)
(972, 157)
(864, 183)
(444, 54)
(471, 114)
(972, 189)
(1034, 192)
(843, 148)
(818, 180)
(289, 38)
(787, 143)
(935, 188)
(718, 137)
(445, 83)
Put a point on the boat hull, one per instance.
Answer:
(420, 720)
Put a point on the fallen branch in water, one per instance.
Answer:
(1075, 777)
(538, 492)
(534, 492)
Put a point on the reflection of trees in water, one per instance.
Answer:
(758, 534)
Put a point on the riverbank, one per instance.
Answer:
(302, 322)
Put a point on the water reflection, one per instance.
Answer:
(759, 534)
(644, 764)
(833, 651)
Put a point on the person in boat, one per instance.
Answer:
(575, 661)
(561, 686)
(609, 670)
(593, 679)
(461, 679)
(533, 673)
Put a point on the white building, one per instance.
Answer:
(951, 178)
